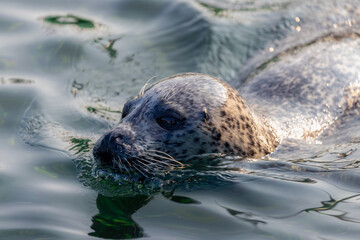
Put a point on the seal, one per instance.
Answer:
(190, 114)
(184, 115)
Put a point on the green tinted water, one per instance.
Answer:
(68, 67)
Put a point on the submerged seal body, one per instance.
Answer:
(183, 115)
(191, 114)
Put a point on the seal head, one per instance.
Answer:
(180, 116)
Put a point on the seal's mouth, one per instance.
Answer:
(118, 153)
(118, 174)
(118, 159)
(148, 165)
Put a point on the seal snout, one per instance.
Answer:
(101, 151)
(112, 146)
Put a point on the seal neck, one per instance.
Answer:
(250, 134)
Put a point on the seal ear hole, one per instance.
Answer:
(205, 115)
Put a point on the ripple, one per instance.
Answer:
(73, 75)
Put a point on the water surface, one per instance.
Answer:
(68, 67)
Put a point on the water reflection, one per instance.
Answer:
(114, 219)
(245, 216)
(330, 204)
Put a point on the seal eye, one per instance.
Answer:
(169, 123)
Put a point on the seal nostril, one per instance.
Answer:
(115, 137)
(118, 137)
(118, 140)
(102, 152)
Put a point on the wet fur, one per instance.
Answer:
(217, 121)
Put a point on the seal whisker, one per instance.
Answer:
(156, 163)
(128, 162)
(161, 162)
(143, 164)
(139, 171)
(158, 151)
(142, 161)
(168, 156)
(117, 162)
(122, 166)
(142, 90)
(159, 156)
(127, 169)
(143, 168)
(165, 158)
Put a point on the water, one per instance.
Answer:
(68, 67)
